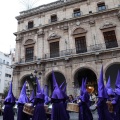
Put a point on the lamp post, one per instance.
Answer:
(33, 77)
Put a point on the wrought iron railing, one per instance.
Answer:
(91, 48)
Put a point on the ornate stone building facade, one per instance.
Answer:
(74, 38)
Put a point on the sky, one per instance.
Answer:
(9, 9)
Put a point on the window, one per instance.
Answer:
(77, 13)
(7, 75)
(29, 54)
(110, 39)
(30, 24)
(53, 18)
(101, 7)
(80, 44)
(3, 61)
(7, 63)
(0, 60)
(54, 49)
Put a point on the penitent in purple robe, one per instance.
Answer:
(21, 101)
(39, 112)
(58, 106)
(8, 111)
(84, 111)
(9, 103)
(102, 107)
(21, 115)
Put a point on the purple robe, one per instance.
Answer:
(116, 107)
(8, 111)
(58, 110)
(21, 115)
(102, 108)
(84, 112)
(39, 112)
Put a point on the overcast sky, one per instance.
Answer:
(9, 9)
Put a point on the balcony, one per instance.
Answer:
(102, 8)
(32, 59)
(89, 49)
(77, 14)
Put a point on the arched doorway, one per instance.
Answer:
(112, 71)
(59, 78)
(91, 80)
(29, 85)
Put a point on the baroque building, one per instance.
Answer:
(73, 37)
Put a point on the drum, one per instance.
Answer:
(72, 107)
(110, 106)
(28, 109)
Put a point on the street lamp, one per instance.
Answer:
(33, 77)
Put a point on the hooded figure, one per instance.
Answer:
(9, 103)
(111, 95)
(84, 111)
(47, 99)
(39, 111)
(116, 100)
(58, 107)
(21, 101)
(108, 88)
(102, 107)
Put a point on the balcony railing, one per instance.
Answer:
(75, 51)
(102, 8)
(91, 48)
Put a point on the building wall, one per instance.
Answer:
(94, 24)
(5, 70)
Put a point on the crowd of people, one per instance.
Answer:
(107, 102)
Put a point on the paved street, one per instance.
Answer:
(73, 116)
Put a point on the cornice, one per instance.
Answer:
(47, 7)
(71, 19)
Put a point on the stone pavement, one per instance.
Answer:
(73, 116)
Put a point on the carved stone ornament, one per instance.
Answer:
(40, 33)
(18, 38)
(118, 15)
(29, 41)
(79, 31)
(54, 36)
(107, 25)
(92, 23)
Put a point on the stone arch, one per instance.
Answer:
(85, 72)
(78, 30)
(115, 66)
(29, 80)
(84, 66)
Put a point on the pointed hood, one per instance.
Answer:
(108, 87)
(46, 94)
(32, 97)
(10, 97)
(101, 88)
(54, 80)
(57, 93)
(61, 86)
(64, 92)
(82, 87)
(23, 97)
(117, 84)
